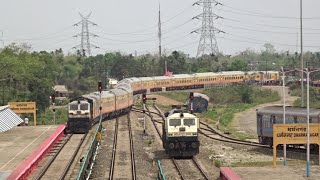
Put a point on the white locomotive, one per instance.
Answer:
(180, 134)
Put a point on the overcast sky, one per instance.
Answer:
(131, 25)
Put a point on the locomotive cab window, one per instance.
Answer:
(74, 107)
(83, 106)
(189, 122)
(175, 122)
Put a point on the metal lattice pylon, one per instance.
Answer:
(85, 46)
(208, 42)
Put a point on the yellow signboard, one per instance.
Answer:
(294, 134)
(24, 107)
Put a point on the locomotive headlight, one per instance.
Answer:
(171, 146)
(194, 134)
(194, 145)
(170, 134)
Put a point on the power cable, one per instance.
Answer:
(43, 37)
(264, 41)
(256, 30)
(151, 27)
(272, 26)
(269, 16)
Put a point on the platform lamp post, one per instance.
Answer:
(308, 117)
(284, 112)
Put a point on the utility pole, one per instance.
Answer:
(208, 42)
(159, 36)
(85, 45)
(301, 57)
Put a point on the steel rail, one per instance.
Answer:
(195, 161)
(178, 169)
(133, 164)
(66, 170)
(114, 149)
(45, 169)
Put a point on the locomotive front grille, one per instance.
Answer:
(182, 129)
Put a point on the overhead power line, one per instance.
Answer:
(268, 25)
(259, 30)
(266, 41)
(257, 14)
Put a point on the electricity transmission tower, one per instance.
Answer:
(208, 43)
(85, 46)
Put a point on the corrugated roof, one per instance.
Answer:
(294, 111)
(60, 88)
(8, 119)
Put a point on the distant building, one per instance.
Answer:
(112, 82)
(61, 91)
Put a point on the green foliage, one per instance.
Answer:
(314, 99)
(227, 101)
(217, 163)
(178, 96)
(46, 118)
(30, 76)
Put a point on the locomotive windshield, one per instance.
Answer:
(189, 122)
(73, 106)
(83, 106)
(175, 122)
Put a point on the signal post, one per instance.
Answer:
(53, 97)
(144, 100)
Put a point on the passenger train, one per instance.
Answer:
(267, 116)
(85, 110)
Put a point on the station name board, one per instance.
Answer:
(295, 133)
(23, 107)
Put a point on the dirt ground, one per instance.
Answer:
(252, 162)
(246, 121)
(162, 100)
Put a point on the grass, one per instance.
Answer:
(46, 118)
(226, 102)
(178, 96)
(264, 163)
(314, 96)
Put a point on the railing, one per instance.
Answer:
(89, 159)
(161, 175)
(226, 173)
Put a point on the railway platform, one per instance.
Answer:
(17, 144)
(292, 172)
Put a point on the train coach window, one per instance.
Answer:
(83, 106)
(188, 122)
(295, 119)
(74, 107)
(175, 122)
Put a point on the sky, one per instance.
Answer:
(130, 26)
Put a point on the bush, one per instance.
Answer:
(217, 163)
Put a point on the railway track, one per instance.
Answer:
(63, 156)
(123, 151)
(189, 170)
(211, 133)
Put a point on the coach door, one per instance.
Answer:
(260, 124)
